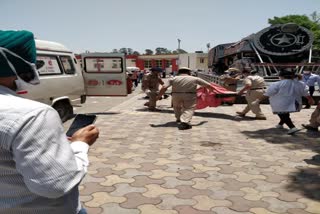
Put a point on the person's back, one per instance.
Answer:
(40, 168)
(286, 95)
(185, 84)
(256, 81)
(18, 193)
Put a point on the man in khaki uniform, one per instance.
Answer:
(255, 87)
(230, 79)
(151, 86)
(184, 95)
(314, 120)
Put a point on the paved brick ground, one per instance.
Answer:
(143, 164)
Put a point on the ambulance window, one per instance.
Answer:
(103, 65)
(50, 65)
(67, 64)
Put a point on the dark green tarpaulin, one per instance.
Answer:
(21, 43)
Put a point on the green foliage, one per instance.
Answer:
(162, 51)
(149, 52)
(303, 20)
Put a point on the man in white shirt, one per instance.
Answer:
(310, 79)
(40, 170)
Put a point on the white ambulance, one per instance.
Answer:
(61, 81)
(104, 74)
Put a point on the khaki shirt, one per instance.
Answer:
(185, 84)
(255, 81)
(152, 82)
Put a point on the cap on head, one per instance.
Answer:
(157, 69)
(21, 43)
(233, 69)
(184, 70)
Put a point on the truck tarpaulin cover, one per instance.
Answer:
(219, 95)
(21, 43)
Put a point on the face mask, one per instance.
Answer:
(32, 77)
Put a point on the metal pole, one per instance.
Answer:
(310, 54)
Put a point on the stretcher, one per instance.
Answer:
(217, 97)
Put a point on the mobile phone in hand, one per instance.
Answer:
(80, 121)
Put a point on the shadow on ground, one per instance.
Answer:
(174, 124)
(202, 114)
(305, 180)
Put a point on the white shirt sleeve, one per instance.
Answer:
(272, 90)
(80, 150)
(49, 165)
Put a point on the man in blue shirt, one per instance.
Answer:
(310, 79)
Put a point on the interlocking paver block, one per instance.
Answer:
(188, 175)
(202, 183)
(242, 205)
(154, 190)
(261, 211)
(312, 206)
(100, 198)
(254, 195)
(173, 182)
(206, 203)
(285, 195)
(158, 173)
(183, 209)
(123, 189)
(170, 201)
(244, 177)
(89, 188)
(141, 181)
(115, 179)
(297, 211)
(280, 206)
(226, 210)
(234, 185)
(151, 209)
(114, 208)
(136, 199)
(188, 192)
(151, 166)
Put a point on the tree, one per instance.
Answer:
(162, 51)
(136, 53)
(115, 51)
(179, 51)
(304, 21)
(149, 52)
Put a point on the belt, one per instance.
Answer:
(231, 84)
(185, 92)
(257, 88)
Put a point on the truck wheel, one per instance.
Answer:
(64, 109)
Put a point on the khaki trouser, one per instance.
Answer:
(152, 99)
(315, 118)
(251, 96)
(184, 105)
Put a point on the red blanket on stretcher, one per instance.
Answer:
(205, 98)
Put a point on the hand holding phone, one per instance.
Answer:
(80, 121)
(88, 134)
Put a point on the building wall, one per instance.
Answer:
(145, 62)
(194, 61)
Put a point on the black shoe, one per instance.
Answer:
(184, 126)
(310, 128)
